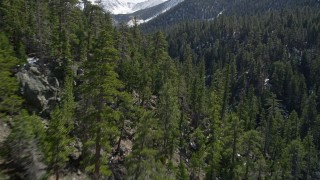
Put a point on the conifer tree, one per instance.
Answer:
(198, 95)
(250, 152)
(293, 160)
(162, 68)
(273, 115)
(15, 19)
(26, 142)
(233, 128)
(311, 157)
(60, 127)
(127, 112)
(143, 162)
(9, 101)
(292, 127)
(182, 172)
(198, 156)
(215, 146)
(188, 70)
(100, 90)
(168, 111)
(183, 128)
(309, 114)
(226, 93)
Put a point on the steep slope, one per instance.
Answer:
(124, 11)
(128, 6)
(188, 10)
(147, 4)
(117, 6)
(145, 15)
(210, 9)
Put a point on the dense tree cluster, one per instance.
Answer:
(262, 73)
(190, 10)
(232, 98)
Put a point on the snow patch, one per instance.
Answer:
(266, 81)
(138, 21)
(127, 6)
(32, 60)
(220, 13)
(168, 5)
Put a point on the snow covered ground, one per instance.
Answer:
(128, 6)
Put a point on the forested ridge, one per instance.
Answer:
(235, 97)
(190, 10)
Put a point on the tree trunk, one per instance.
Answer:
(90, 19)
(267, 136)
(97, 155)
(120, 138)
(247, 170)
(234, 149)
(98, 141)
(57, 173)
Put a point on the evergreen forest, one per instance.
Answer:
(233, 97)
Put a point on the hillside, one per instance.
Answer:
(190, 10)
(228, 90)
(146, 14)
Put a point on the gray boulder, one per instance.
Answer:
(40, 91)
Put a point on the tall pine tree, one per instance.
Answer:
(9, 101)
(60, 127)
(100, 93)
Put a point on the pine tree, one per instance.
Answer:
(15, 20)
(293, 160)
(64, 29)
(309, 114)
(215, 146)
(182, 172)
(183, 127)
(9, 101)
(162, 68)
(292, 127)
(125, 106)
(250, 152)
(60, 127)
(311, 157)
(233, 128)
(143, 162)
(26, 142)
(168, 112)
(21, 135)
(101, 89)
(273, 114)
(188, 70)
(226, 93)
(198, 95)
(252, 109)
(198, 156)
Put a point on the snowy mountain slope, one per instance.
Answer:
(147, 4)
(145, 15)
(123, 11)
(128, 6)
(117, 6)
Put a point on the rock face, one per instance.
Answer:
(39, 90)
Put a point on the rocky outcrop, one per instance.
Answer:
(39, 90)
